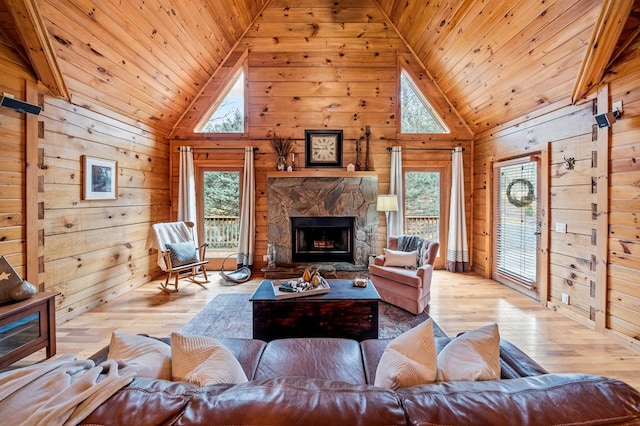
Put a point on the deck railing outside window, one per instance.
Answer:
(423, 227)
(222, 232)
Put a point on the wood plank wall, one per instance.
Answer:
(89, 251)
(563, 133)
(96, 250)
(623, 293)
(599, 298)
(13, 78)
(316, 65)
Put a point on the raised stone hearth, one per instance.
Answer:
(323, 196)
(337, 270)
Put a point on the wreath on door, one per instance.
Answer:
(525, 200)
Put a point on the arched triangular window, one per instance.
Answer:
(417, 115)
(226, 115)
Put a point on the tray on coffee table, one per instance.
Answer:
(322, 288)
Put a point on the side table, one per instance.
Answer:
(27, 326)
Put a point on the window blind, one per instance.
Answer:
(516, 223)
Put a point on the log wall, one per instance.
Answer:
(623, 292)
(14, 75)
(314, 66)
(555, 136)
(89, 251)
(95, 250)
(597, 261)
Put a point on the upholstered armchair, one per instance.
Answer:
(403, 278)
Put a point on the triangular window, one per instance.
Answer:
(226, 115)
(417, 116)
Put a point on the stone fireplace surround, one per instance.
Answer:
(346, 194)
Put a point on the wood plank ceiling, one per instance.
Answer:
(495, 60)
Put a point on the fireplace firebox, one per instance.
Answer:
(322, 239)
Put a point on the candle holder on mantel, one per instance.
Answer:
(293, 161)
(367, 135)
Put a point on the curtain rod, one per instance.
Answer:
(255, 148)
(390, 148)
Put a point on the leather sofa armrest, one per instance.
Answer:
(379, 260)
(515, 363)
(525, 400)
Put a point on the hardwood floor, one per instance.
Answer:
(459, 302)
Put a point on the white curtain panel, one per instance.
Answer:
(247, 211)
(458, 249)
(187, 190)
(395, 226)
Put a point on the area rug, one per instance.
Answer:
(230, 315)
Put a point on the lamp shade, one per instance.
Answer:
(387, 203)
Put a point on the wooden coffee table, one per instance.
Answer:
(346, 311)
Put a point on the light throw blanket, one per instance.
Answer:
(59, 392)
(167, 233)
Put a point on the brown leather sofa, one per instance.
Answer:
(316, 381)
(409, 289)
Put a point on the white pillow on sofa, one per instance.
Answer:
(403, 259)
(474, 355)
(409, 359)
(203, 361)
(151, 357)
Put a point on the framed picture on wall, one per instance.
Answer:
(100, 179)
(323, 148)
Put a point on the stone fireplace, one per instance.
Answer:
(349, 195)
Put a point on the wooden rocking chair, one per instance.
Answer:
(178, 255)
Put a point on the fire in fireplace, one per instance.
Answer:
(322, 239)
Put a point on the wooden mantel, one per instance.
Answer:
(321, 173)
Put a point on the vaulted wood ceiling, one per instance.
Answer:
(495, 60)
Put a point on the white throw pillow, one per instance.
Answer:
(404, 259)
(474, 355)
(151, 357)
(203, 361)
(409, 359)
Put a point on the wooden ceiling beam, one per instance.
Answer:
(37, 44)
(628, 42)
(606, 32)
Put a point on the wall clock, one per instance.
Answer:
(323, 148)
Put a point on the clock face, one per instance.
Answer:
(324, 148)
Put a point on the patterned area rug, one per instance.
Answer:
(229, 315)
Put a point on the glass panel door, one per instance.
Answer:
(516, 224)
(220, 207)
(424, 208)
